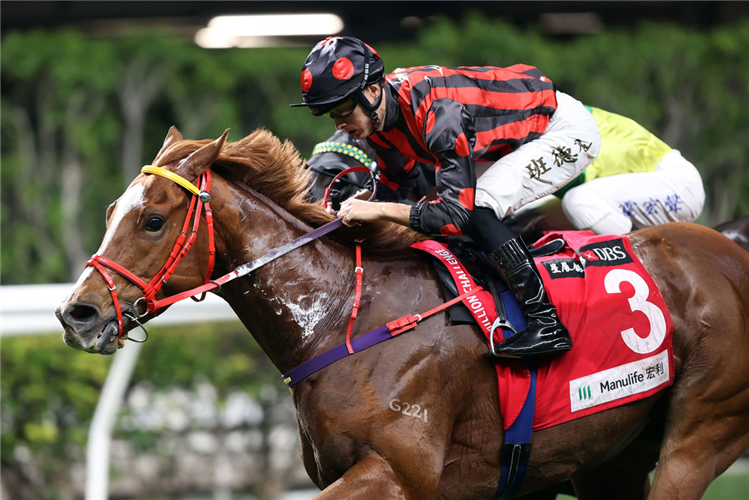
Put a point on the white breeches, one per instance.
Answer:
(673, 192)
(542, 166)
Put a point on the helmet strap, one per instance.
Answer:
(371, 107)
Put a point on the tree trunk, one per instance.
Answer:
(140, 86)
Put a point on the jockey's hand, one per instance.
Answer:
(354, 211)
(362, 194)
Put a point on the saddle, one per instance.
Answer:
(471, 260)
(481, 271)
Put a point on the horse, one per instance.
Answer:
(737, 230)
(354, 445)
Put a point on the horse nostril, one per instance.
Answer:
(79, 314)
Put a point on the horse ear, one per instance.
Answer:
(172, 136)
(202, 159)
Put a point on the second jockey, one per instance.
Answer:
(636, 181)
(531, 138)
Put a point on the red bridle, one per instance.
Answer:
(183, 244)
(200, 197)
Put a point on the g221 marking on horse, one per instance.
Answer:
(353, 443)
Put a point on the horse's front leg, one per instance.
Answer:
(371, 477)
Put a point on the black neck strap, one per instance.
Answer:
(371, 107)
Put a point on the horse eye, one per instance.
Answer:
(154, 223)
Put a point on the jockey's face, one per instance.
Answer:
(358, 123)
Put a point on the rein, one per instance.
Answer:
(201, 197)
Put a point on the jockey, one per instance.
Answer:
(636, 181)
(533, 139)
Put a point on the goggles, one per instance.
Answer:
(341, 111)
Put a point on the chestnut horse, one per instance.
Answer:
(353, 444)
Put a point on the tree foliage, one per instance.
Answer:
(81, 115)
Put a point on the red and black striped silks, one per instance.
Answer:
(450, 118)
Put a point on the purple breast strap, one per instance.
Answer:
(338, 352)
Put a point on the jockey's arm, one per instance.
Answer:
(397, 178)
(451, 140)
(365, 211)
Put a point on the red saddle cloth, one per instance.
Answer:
(620, 327)
(618, 320)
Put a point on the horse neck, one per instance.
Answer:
(289, 304)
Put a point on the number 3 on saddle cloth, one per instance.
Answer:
(618, 321)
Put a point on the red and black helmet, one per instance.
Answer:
(338, 69)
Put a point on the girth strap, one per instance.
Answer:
(516, 451)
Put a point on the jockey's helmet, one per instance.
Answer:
(337, 70)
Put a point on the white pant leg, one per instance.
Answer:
(542, 166)
(673, 192)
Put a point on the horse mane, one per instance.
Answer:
(276, 170)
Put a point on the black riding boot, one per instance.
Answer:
(544, 333)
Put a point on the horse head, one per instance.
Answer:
(138, 249)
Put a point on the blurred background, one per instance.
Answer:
(89, 90)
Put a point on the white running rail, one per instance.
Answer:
(29, 310)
